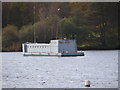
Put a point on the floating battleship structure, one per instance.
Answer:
(54, 48)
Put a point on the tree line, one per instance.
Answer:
(93, 25)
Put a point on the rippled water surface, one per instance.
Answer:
(100, 67)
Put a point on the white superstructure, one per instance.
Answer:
(55, 47)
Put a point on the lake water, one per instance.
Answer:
(100, 67)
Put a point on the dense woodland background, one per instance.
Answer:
(93, 25)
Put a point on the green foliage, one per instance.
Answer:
(17, 14)
(68, 28)
(9, 36)
(93, 25)
(26, 33)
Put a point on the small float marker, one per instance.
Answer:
(87, 83)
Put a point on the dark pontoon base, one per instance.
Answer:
(87, 85)
(55, 55)
(71, 55)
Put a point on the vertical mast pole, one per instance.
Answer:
(34, 23)
(57, 24)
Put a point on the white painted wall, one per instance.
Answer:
(55, 46)
(38, 47)
(23, 49)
